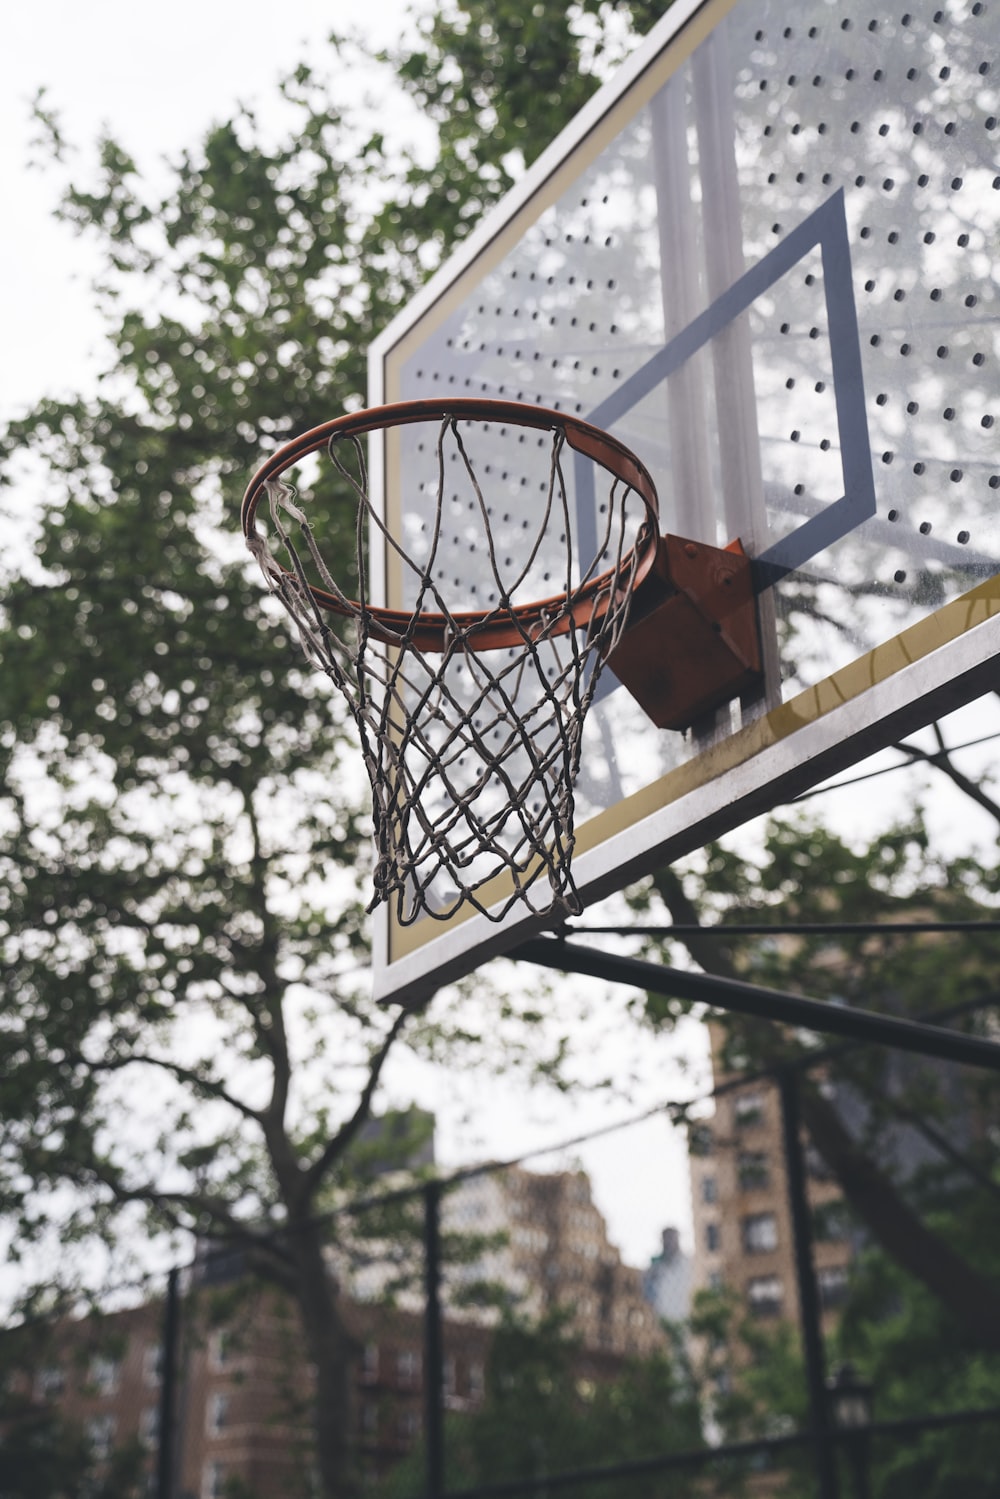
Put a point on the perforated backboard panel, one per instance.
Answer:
(765, 258)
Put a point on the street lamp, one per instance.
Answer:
(850, 1399)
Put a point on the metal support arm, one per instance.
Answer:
(767, 1004)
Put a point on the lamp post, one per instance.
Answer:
(850, 1399)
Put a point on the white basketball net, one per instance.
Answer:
(472, 755)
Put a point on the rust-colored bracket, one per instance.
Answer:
(692, 641)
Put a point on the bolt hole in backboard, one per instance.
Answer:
(762, 261)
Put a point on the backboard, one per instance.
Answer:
(763, 257)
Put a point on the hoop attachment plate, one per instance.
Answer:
(691, 643)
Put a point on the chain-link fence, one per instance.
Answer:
(808, 1311)
(814, 1320)
(809, 1344)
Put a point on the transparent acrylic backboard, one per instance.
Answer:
(765, 258)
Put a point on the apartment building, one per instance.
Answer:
(243, 1398)
(546, 1243)
(742, 1222)
(243, 1411)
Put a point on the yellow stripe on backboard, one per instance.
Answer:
(879, 665)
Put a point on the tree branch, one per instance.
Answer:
(970, 1296)
(184, 1074)
(269, 1251)
(940, 1142)
(942, 761)
(339, 1142)
(273, 1034)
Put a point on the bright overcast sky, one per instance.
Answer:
(158, 76)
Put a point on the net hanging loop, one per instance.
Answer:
(471, 719)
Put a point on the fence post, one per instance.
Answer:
(809, 1307)
(433, 1343)
(166, 1438)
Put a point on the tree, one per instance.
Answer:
(178, 887)
(915, 1207)
(917, 1358)
(570, 1409)
(42, 1453)
(501, 80)
(185, 1041)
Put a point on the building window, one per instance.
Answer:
(832, 1283)
(50, 1382)
(100, 1432)
(408, 1426)
(535, 1239)
(408, 1367)
(369, 1418)
(748, 1109)
(709, 1189)
(217, 1415)
(760, 1233)
(449, 1376)
(700, 1141)
(830, 1222)
(715, 1280)
(477, 1381)
(764, 1295)
(149, 1426)
(816, 1167)
(103, 1374)
(753, 1170)
(369, 1363)
(213, 1481)
(220, 1350)
(152, 1364)
(712, 1236)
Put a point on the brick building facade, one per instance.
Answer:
(243, 1400)
(552, 1252)
(243, 1396)
(742, 1222)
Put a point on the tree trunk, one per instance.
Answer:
(329, 1347)
(972, 1300)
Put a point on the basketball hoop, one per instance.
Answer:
(470, 719)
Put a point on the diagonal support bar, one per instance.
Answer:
(767, 1004)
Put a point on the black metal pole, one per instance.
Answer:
(809, 1305)
(705, 1457)
(766, 1004)
(166, 1439)
(433, 1343)
(858, 1444)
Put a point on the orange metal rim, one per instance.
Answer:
(496, 628)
